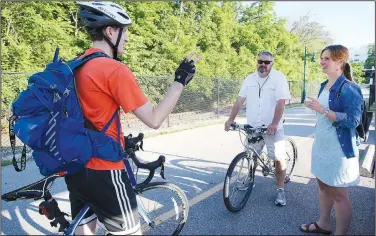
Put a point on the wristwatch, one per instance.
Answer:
(326, 112)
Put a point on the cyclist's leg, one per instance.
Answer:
(114, 202)
(277, 151)
(86, 229)
(139, 232)
(87, 226)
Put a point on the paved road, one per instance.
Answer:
(197, 161)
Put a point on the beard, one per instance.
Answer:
(262, 69)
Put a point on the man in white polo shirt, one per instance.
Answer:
(266, 91)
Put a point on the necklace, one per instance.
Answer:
(262, 85)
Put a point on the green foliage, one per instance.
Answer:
(370, 61)
(357, 72)
(228, 36)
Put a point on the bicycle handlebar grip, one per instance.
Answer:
(9, 197)
(161, 159)
(234, 126)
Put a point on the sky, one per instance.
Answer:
(350, 23)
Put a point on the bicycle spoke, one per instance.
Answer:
(165, 206)
(240, 180)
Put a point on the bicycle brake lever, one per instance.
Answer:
(162, 171)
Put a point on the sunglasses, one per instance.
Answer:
(265, 62)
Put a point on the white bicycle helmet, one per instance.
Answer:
(97, 15)
(100, 14)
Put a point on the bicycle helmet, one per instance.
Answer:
(97, 15)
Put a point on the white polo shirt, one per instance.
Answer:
(260, 109)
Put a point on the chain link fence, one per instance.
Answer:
(204, 100)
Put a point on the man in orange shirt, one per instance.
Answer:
(104, 85)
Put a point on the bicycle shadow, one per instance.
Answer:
(193, 175)
(202, 181)
(22, 216)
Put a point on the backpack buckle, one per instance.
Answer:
(66, 92)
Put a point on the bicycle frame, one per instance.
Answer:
(40, 189)
(251, 139)
(76, 221)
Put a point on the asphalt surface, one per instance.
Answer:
(197, 161)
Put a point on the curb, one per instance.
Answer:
(367, 162)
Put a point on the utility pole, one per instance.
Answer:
(313, 59)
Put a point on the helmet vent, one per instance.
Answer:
(112, 5)
(123, 15)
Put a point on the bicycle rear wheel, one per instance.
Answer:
(165, 206)
(239, 182)
(291, 158)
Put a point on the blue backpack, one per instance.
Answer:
(47, 117)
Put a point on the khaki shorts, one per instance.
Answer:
(275, 146)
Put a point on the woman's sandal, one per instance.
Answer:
(316, 230)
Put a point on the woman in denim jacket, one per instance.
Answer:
(335, 156)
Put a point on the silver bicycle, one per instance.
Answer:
(240, 176)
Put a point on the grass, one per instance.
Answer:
(6, 162)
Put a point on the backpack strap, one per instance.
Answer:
(12, 138)
(73, 64)
(340, 88)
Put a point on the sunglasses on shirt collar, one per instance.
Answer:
(265, 62)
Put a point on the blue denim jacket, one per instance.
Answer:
(347, 106)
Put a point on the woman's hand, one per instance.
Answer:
(314, 105)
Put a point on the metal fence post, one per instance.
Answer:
(288, 82)
(168, 116)
(217, 98)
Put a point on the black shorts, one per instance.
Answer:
(110, 196)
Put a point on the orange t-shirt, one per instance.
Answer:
(104, 84)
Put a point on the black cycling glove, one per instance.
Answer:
(185, 72)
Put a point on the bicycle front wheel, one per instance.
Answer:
(291, 158)
(239, 181)
(163, 208)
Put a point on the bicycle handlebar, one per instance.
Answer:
(36, 190)
(249, 129)
(135, 144)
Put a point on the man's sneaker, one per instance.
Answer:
(281, 197)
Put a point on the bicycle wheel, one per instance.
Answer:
(291, 158)
(239, 182)
(166, 207)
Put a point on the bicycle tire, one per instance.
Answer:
(164, 220)
(292, 158)
(234, 208)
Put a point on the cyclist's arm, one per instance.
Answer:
(154, 117)
(236, 108)
(278, 112)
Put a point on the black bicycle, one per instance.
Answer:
(163, 207)
(240, 176)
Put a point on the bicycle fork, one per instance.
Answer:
(144, 215)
